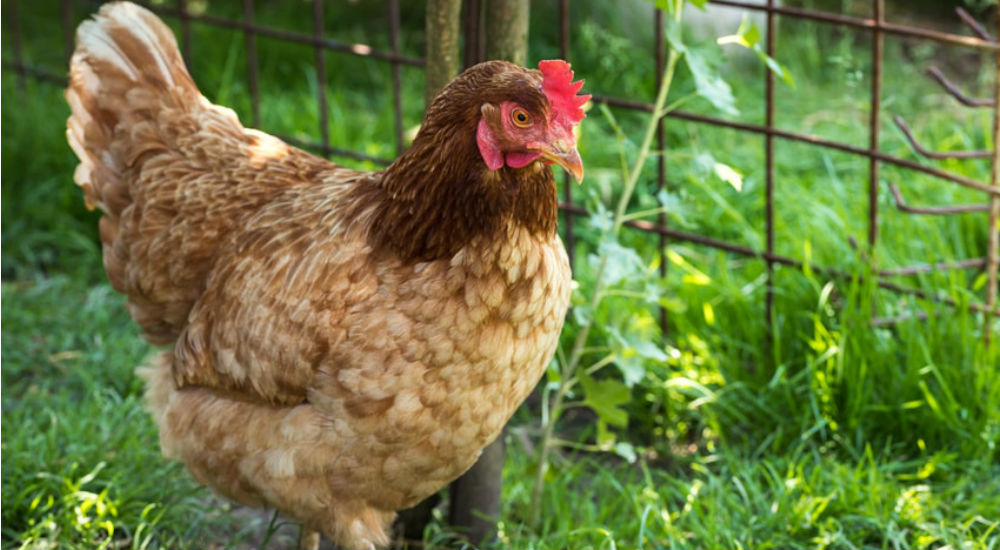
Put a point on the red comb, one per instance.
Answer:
(559, 88)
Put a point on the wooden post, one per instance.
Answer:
(992, 231)
(507, 30)
(442, 45)
(475, 497)
(443, 29)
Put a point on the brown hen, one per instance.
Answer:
(340, 344)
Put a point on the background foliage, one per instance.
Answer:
(825, 432)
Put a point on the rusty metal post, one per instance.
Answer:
(476, 496)
(472, 31)
(873, 136)
(252, 65)
(324, 122)
(69, 30)
(397, 94)
(957, 93)
(567, 184)
(769, 173)
(993, 232)
(661, 160)
(973, 25)
(938, 155)
(873, 126)
(15, 30)
(185, 17)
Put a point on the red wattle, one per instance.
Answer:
(517, 160)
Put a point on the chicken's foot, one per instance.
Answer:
(308, 539)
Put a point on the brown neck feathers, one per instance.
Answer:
(439, 196)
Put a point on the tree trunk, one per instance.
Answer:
(410, 523)
(507, 30)
(475, 497)
(442, 45)
(443, 33)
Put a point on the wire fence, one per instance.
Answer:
(875, 24)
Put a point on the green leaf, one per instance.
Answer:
(665, 5)
(711, 167)
(775, 67)
(748, 36)
(601, 218)
(623, 263)
(651, 351)
(708, 312)
(727, 174)
(979, 282)
(671, 6)
(632, 352)
(626, 451)
(673, 305)
(709, 84)
(692, 275)
(583, 315)
(604, 397)
(553, 372)
(677, 209)
(751, 34)
(605, 437)
(631, 367)
(672, 32)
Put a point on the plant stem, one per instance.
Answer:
(647, 140)
(646, 213)
(569, 367)
(607, 360)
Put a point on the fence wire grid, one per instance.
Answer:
(875, 24)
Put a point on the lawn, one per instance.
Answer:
(821, 431)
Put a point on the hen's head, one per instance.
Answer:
(478, 163)
(521, 116)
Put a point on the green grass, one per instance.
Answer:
(800, 499)
(824, 433)
(80, 458)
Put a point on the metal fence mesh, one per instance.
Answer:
(888, 278)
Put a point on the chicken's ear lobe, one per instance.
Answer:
(488, 146)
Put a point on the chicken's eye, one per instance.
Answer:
(521, 118)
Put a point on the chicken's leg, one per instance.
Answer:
(308, 539)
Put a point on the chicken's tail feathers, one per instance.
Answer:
(125, 69)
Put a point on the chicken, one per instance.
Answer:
(338, 344)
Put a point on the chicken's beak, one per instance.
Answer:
(564, 153)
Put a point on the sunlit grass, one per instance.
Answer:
(80, 455)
